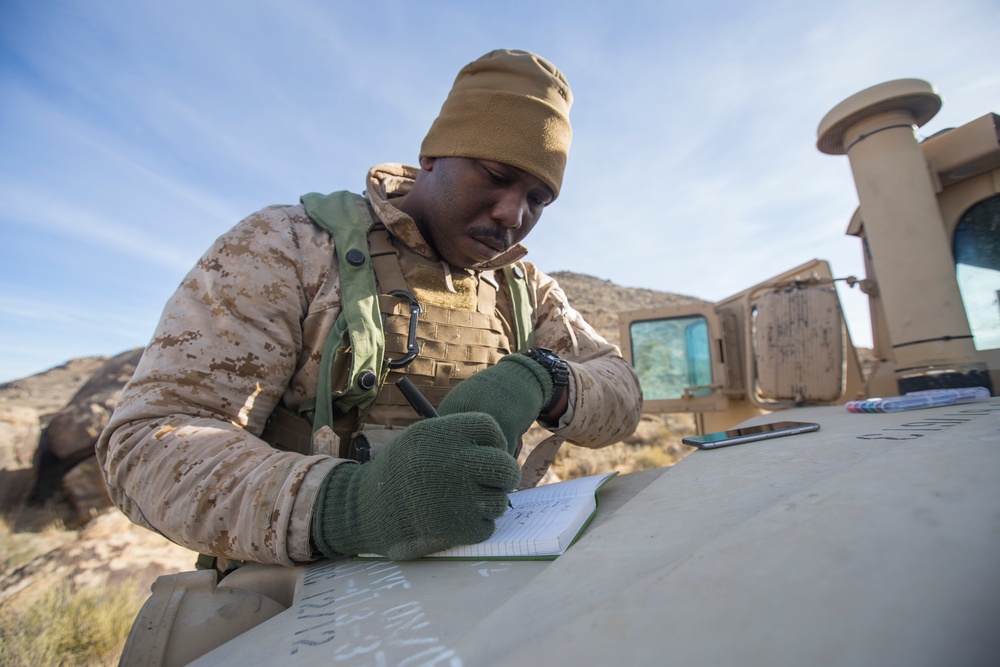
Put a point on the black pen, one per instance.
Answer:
(421, 405)
(419, 402)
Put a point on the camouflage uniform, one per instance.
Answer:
(245, 329)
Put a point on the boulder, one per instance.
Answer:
(19, 432)
(73, 431)
(86, 491)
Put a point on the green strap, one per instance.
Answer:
(524, 328)
(357, 337)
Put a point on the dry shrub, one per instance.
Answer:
(26, 532)
(69, 627)
(15, 550)
(60, 625)
(656, 443)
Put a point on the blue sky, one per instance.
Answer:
(133, 133)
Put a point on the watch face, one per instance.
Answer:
(557, 368)
(543, 356)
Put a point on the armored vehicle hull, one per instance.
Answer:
(871, 541)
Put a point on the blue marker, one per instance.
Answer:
(918, 400)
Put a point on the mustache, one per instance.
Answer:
(504, 238)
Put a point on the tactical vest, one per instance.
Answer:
(400, 314)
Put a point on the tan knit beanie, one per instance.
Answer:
(510, 107)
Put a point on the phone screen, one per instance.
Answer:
(748, 434)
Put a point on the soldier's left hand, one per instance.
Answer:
(512, 392)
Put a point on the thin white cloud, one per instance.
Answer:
(62, 314)
(35, 209)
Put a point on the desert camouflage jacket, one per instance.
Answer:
(246, 329)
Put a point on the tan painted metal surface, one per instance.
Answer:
(872, 541)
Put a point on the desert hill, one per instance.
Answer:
(599, 300)
(49, 391)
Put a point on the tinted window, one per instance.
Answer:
(670, 355)
(977, 267)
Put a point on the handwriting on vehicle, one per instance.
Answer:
(340, 605)
(916, 429)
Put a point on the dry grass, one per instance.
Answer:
(655, 444)
(27, 532)
(62, 625)
(572, 462)
(69, 627)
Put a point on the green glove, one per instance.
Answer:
(441, 483)
(512, 392)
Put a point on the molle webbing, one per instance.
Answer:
(458, 331)
(454, 343)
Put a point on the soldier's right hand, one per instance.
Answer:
(442, 482)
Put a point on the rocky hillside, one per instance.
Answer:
(599, 301)
(49, 391)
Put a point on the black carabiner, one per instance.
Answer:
(412, 348)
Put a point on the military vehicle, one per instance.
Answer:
(873, 540)
(928, 224)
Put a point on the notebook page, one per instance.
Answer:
(542, 521)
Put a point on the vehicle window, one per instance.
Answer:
(976, 246)
(670, 355)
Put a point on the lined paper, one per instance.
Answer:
(543, 521)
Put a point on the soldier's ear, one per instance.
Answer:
(427, 163)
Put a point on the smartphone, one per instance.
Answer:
(748, 434)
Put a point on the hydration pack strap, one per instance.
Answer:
(517, 286)
(357, 339)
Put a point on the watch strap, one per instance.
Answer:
(558, 371)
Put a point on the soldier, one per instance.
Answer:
(245, 344)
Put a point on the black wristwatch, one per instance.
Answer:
(558, 370)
